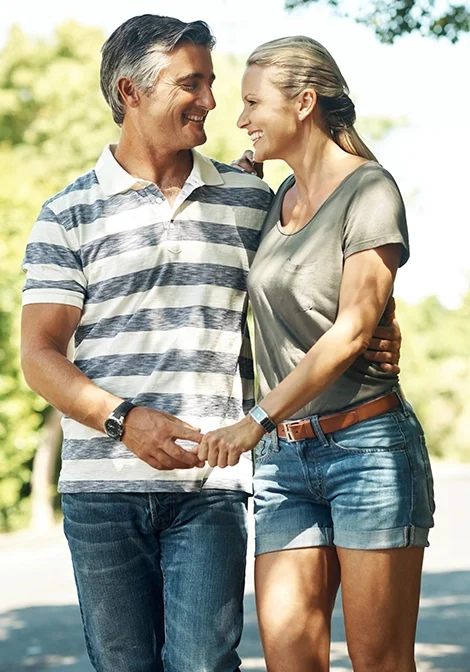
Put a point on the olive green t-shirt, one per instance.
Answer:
(294, 282)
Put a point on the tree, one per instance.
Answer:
(53, 125)
(436, 372)
(390, 20)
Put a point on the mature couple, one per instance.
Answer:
(148, 261)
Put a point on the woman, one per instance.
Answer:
(343, 487)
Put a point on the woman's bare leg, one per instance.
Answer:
(380, 592)
(295, 595)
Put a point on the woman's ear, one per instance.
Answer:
(306, 103)
(130, 95)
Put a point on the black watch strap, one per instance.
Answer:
(260, 416)
(114, 424)
(123, 409)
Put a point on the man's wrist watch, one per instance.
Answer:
(260, 416)
(114, 423)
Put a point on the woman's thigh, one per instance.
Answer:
(380, 592)
(295, 595)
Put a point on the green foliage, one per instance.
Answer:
(436, 372)
(53, 125)
(20, 409)
(390, 20)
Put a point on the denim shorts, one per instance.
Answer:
(368, 486)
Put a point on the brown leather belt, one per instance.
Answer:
(296, 430)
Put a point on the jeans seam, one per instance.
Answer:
(89, 646)
(412, 491)
(316, 492)
(427, 473)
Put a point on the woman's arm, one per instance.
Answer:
(384, 347)
(366, 285)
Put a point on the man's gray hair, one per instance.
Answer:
(139, 50)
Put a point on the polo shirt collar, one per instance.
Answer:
(115, 180)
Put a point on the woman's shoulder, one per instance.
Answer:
(374, 181)
(374, 173)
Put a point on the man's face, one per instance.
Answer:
(172, 116)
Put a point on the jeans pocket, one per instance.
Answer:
(263, 450)
(381, 434)
(427, 472)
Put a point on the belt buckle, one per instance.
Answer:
(288, 426)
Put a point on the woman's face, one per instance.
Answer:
(269, 118)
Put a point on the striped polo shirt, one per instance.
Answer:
(162, 290)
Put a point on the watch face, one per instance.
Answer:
(258, 414)
(113, 428)
(262, 418)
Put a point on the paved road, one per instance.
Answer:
(40, 624)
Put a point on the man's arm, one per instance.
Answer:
(46, 330)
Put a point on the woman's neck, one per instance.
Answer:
(318, 161)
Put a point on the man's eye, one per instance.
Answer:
(189, 87)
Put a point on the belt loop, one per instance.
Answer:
(275, 439)
(318, 430)
(404, 405)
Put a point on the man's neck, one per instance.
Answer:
(168, 170)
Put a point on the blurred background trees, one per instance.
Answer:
(389, 20)
(54, 124)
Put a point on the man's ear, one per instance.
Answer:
(128, 91)
(306, 103)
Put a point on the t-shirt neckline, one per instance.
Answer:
(291, 180)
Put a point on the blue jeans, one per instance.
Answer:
(160, 578)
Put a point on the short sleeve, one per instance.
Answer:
(54, 272)
(376, 216)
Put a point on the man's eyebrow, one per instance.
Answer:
(194, 75)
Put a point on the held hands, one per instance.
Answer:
(246, 163)
(223, 447)
(151, 436)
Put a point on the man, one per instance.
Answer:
(144, 261)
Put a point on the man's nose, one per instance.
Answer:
(208, 99)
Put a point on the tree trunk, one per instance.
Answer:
(42, 481)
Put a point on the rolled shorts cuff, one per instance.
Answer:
(399, 537)
(283, 541)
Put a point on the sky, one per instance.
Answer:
(422, 81)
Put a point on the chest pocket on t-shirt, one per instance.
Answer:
(299, 284)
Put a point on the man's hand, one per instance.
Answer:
(151, 436)
(223, 447)
(246, 163)
(384, 348)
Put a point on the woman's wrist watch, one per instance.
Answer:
(260, 416)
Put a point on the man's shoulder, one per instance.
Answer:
(238, 177)
(83, 190)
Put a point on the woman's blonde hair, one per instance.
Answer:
(301, 63)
